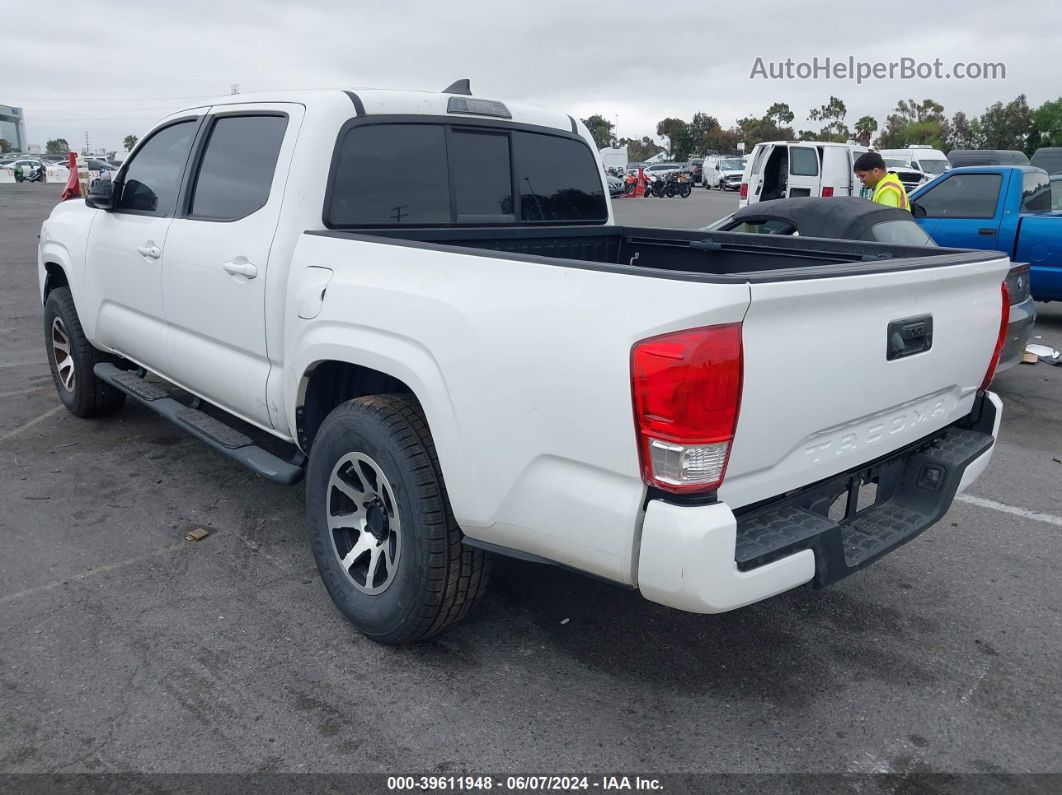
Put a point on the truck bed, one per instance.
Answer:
(696, 254)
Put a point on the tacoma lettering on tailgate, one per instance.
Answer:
(852, 440)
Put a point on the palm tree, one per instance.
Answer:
(130, 142)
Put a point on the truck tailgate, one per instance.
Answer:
(821, 394)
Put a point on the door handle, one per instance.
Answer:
(240, 267)
(149, 250)
(986, 231)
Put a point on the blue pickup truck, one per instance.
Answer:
(1006, 208)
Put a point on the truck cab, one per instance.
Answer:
(1001, 208)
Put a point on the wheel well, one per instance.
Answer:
(56, 278)
(327, 384)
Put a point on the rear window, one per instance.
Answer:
(413, 174)
(391, 174)
(803, 162)
(557, 179)
(901, 233)
(1035, 192)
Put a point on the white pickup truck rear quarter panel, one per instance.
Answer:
(523, 370)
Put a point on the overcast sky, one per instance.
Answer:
(114, 68)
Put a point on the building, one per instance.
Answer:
(13, 127)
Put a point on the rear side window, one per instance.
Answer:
(557, 181)
(962, 196)
(391, 174)
(803, 162)
(153, 177)
(433, 174)
(236, 171)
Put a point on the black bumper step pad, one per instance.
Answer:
(915, 488)
(225, 435)
(215, 432)
(133, 384)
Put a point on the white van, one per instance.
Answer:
(787, 169)
(922, 157)
(723, 172)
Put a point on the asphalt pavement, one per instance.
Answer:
(124, 647)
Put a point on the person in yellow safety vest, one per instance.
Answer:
(888, 190)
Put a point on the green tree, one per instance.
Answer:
(914, 123)
(1007, 126)
(57, 146)
(772, 126)
(641, 149)
(865, 128)
(1047, 125)
(677, 133)
(722, 141)
(962, 133)
(601, 129)
(701, 126)
(832, 117)
(129, 142)
(779, 113)
(5, 146)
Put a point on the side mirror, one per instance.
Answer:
(917, 210)
(100, 194)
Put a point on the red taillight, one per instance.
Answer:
(744, 190)
(1004, 320)
(827, 193)
(687, 389)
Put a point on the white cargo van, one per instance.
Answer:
(923, 157)
(788, 169)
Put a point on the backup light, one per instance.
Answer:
(686, 388)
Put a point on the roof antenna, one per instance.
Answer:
(459, 87)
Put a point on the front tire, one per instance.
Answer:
(385, 540)
(72, 358)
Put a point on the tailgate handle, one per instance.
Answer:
(909, 336)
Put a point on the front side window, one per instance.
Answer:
(153, 177)
(236, 171)
(962, 196)
(803, 162)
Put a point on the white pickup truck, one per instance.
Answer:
(421, 302)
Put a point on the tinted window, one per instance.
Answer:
(803, 162)
(1056, 194)
(237, 168)
(962, 196)
(153, 177)
(904, 233)
(557, 178)
(483, 183)
(1035, 192)
(389, 174)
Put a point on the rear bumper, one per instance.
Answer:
(710, 559)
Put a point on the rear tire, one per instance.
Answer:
(72, 358)
(385, 540)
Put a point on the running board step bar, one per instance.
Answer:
(223, 438)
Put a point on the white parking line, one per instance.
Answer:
(981, 502)
(31, 423)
